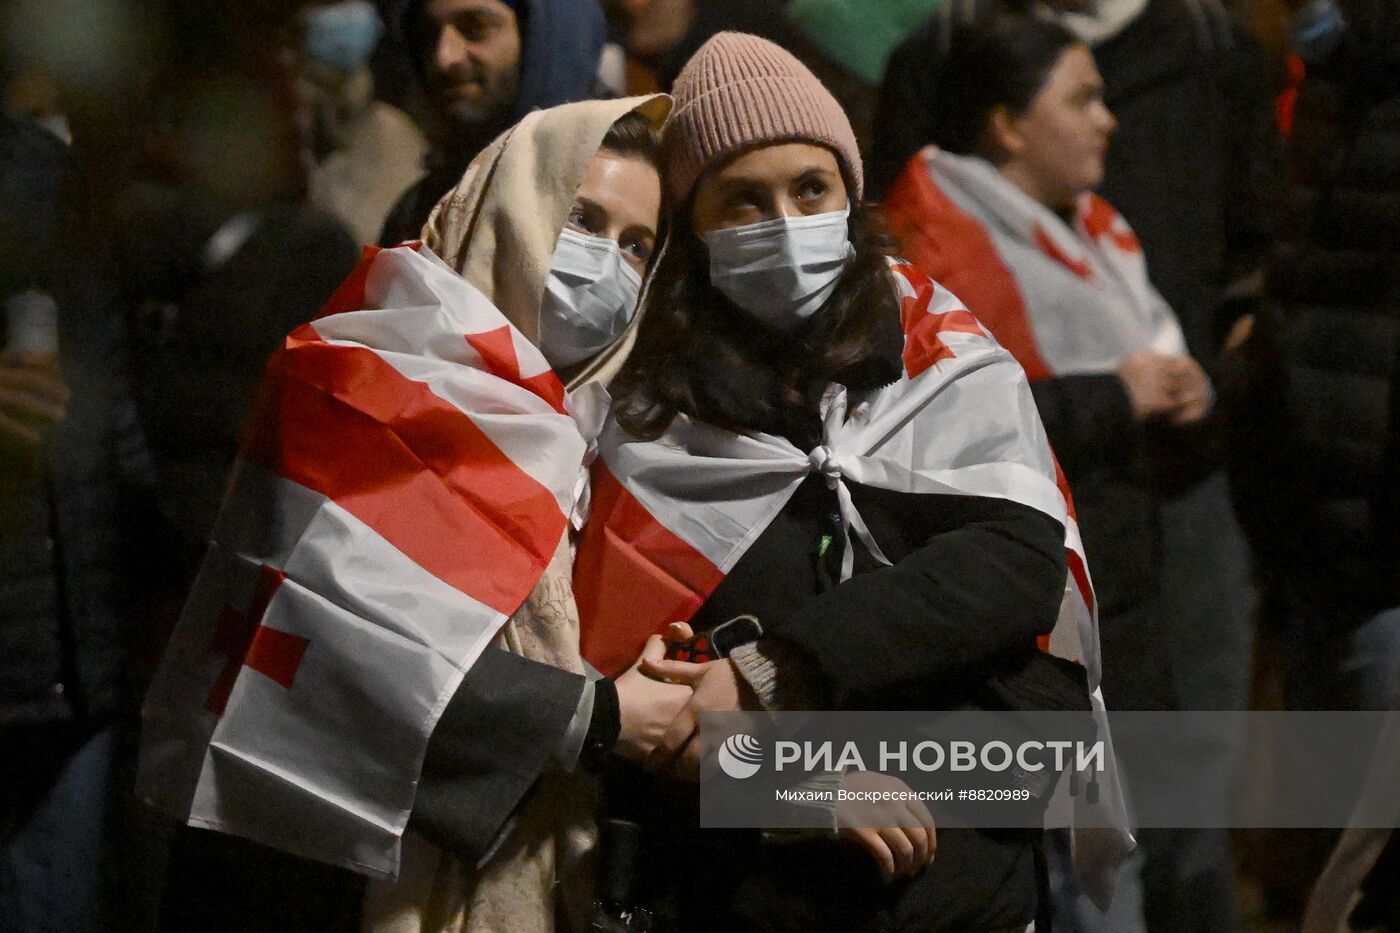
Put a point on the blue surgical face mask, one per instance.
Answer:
(781, 271)
(342, 35)
(589, 298)
(1318, 28)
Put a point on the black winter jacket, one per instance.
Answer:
(974, 582)
(69, 557)
(1124, 473)
(201, 333)
(1325, 467)
(1195, 157)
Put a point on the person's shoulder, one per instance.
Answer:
(31, 159)
(926, 304)
(906, 278)
(1208, 26)
(25, 138)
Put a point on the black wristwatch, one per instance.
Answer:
(603, 727)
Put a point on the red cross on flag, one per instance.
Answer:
(243, 639)
(406, 478)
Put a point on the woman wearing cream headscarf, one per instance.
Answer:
(379, 666)
(501, 797)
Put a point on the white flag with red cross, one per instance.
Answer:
(406, 478)
(670, 518)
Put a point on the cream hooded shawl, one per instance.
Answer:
(499, 225)
(498, 228)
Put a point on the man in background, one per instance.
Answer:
(482, 65)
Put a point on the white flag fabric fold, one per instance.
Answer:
(409, 472)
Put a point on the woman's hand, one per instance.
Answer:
(899, 834)
(33, 398)
(1191, 390)
(1150, 380)
(715, 686)
(648, 706)
(1159, 385)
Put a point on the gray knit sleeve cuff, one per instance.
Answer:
(778, 675)
(759, 671)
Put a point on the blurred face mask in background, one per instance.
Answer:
(783, 270)
(1318, 28)
(342, 35)
(589, 298)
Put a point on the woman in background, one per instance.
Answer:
(1000, 209)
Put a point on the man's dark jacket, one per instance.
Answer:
(68, 564)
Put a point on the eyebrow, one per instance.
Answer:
(482, 11)
(730, 185)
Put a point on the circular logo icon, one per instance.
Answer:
(740, 756)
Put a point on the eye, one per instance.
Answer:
(742, 202)
(473, 28)
(1087, 98)
(810, 188)
(637, 248)
(580, 221)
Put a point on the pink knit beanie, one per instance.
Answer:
(739, 91)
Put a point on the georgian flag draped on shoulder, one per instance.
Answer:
(407, 476)
(671, 517)
(1064, 295)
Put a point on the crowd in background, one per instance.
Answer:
(182, 184)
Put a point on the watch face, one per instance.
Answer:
(716, 643)
(740, 630)
(697, 650)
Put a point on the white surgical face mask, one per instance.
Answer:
(783, 270)
(589, 298)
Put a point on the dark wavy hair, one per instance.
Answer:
(700, 355)
(1002, 62)
(633, 135)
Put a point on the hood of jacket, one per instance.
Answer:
(499, 225)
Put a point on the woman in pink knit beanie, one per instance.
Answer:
(775, 311)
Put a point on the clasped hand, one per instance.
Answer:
(661, 701)
(1171, 387)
